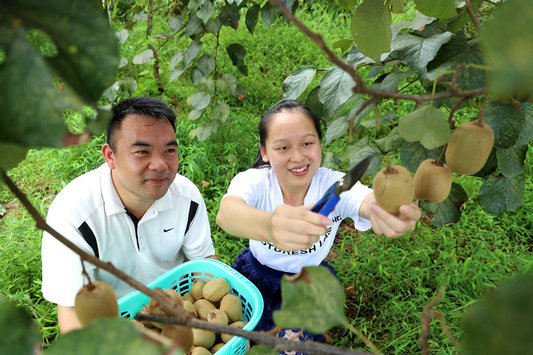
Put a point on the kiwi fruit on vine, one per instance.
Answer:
(96, 299)
(433, 181)
(393, 186)
(180, 335)
(469, 147)
(232, 306)
(215, 289)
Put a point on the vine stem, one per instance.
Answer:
(367, 341)
(179, 315)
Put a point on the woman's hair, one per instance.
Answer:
(281, 106)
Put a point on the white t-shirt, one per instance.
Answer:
(89, 212)
(260, 189)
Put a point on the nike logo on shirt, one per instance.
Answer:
(166, 230)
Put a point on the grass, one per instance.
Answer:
(387, 282)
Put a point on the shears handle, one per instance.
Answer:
(328, 202)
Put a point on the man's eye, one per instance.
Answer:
(141, 152)
(171, 150)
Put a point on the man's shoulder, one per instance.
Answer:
(183, 187)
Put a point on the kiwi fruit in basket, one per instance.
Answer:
(213, 302)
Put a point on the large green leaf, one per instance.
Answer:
(412, 154)
(355, 57)
(314, 302)
(19, 333)
(501, 194)
(500, 323)
(205, 11)
(199, 100)
(436, 8)
(449, 210)
(229, 16)
(237, 53)
(505, 121)
(417, 51)
(113, 335)
(427, 125)
(526, 133)
(371, 28)
(314, 104)
(461, 53)
(511, 160)
(336, 129)
(365, 152)
(335, 88)
(507, 42)
(297, 81)
(391, 142)
(252, 16)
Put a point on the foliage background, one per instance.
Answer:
(387, 282)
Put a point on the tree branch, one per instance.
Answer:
(470, 11)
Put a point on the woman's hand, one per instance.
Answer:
(394, 225)
(296, 228)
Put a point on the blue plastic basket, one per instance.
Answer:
(183, 276)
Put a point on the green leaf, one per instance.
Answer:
(505, 41)
(207, 85)
(412, 154)
(449, 210)
(335, 88)
(367, 151)
(262, 350)
(397, 6)
(229, 16)
(463, 17)
(526, 133)
(511, 160)
(143, 57)
(343, 44)
(205, 11)
(502, 194)
(269, 14)
(297, 82)
(388, 117)
(19, 333)
(331, 160)
(392, 80)
(199, 100)
(314, 302)
(213, 25)
(206, 64)
(227, 84)
(252, 16)
(129, 85)
(115, 336)
(236, 53)
(371, 29)
(500, 323)
(176, 23)
(427, 125)
(191, 53)
(417, 51)
(221, 112)
(351, 149)
(355, 57)
(505, 122)
(194, 26)
(195, 114)
(201, 132)
(391, 142)
(336, 129)
(314, 104)
(459, 53)
(436, 8)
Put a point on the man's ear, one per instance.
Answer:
(264, 155)
(108, 156)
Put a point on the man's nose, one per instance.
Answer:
(158, 162)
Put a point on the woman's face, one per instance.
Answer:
(293, 149)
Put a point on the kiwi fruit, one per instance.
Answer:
(203, 307)
(393, 186)
(217, 316)
(180, 335)
(198, 350)
(227, 337)
(216, 347)
(433, 181)
(189, 307)
(203, 338)
(187, 296)
(215, 289)
(96, 299)
(197, 288)
(232, 306)
(469, 147)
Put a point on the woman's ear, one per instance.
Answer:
(264, 155)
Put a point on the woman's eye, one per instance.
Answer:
(283, 148)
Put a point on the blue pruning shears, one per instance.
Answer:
(332, 196)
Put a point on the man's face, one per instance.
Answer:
(144, 162)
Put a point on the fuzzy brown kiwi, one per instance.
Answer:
(393, 186)
(203, 307)
(232, 305)
(215, 289)
(469, 147)
(203, 338)
(97, 299)
(433, 181)
(180, 335)
(197, 288)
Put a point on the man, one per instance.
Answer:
(134, 211)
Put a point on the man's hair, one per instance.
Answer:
(142, 105)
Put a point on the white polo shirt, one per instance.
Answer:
(260, 189)
(89, 212)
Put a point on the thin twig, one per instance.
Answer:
(470, 11)
(150, 16)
